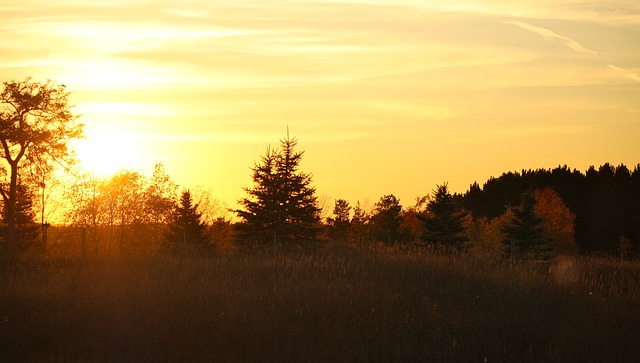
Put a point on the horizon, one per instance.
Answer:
(384, 99)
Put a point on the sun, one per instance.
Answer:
(105, 153)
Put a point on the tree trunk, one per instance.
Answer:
(10, 206)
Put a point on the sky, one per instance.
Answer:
(385, 97)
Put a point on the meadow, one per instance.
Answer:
(328, 304)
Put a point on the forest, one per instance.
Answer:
(536, 265)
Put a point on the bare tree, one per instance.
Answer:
(160, 197)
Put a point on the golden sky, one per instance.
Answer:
(384, 96)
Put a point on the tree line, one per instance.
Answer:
(131, 213)
(605, 202)
(531, 214)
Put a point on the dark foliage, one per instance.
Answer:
(524, 235)
(36, 125)
(386, 219)
(186, 229)
(339, 224)
(359, 230)
(605, 201)
(26, 229)
(444, 221)
(281, 205)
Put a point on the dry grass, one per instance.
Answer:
(334, 304)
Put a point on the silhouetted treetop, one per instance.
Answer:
(444, 222)
(281, 204)
(604, 200)
(186, 228)
(524, 235)
(386, 219)
(36, 125)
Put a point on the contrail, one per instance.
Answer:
(625, 72)
(550, 34)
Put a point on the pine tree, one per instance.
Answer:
(281, 205)
(186, 230)
(444, 222)
(524, 235)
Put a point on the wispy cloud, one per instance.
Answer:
(574, 45)
(549, 34)
(625, 73)
(192, 78)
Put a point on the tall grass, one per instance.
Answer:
(332, 304)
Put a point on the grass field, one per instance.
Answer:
(333, 304)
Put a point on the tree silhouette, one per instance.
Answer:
(126, 206)
(87, 211)
(444, 220)
(386, 219)
(524, 235)
(26, 230)
(339, 223)
(159, 199)
(186, 228)
(557, 220)
(411, 222)
(604, 201)
(36, 125)
(359, 225)
(282, 204)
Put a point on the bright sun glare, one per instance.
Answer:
(106, 153)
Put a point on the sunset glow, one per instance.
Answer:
(384, 96)
(105, 153)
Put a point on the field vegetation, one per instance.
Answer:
(328, 303)
(129, 268)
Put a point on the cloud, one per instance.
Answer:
(625, 73)
(549, 34)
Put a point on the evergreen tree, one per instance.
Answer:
(524, 235)
(602, 200)
(26, 230)
(282, 204)
(339, 224)
(186, 228)
(557, 220)
(444, 220)
(359, 225)
(386, 219)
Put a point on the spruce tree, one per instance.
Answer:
(524, 235)
(444, 222)
(281, 205)
(26, 230)
(186, 229)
